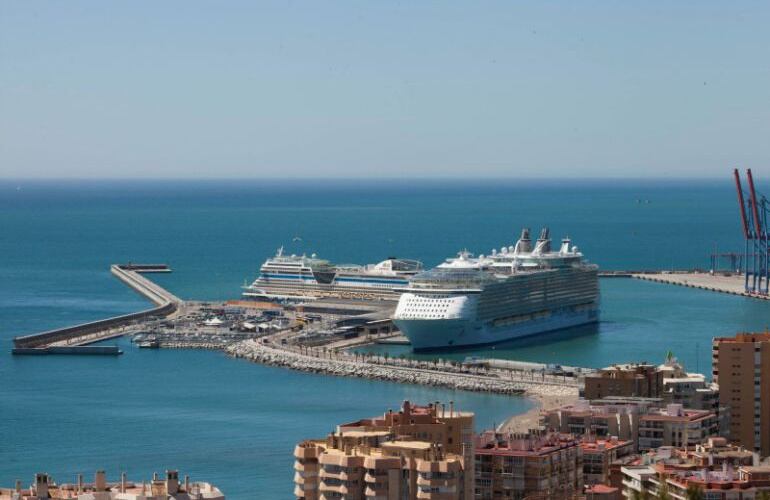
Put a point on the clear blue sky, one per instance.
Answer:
(383, 88)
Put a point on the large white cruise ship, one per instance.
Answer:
(300, 276)
(515, 292)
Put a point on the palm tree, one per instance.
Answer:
(663, 493)
(695, 492)
(640, 495)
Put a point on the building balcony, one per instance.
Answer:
(376, 497)
(306, 451)
(301, 478)
(433, 495)
(435, 482)
(306, 493)
(306, 468)
(340, 489)
(342, 475)
(375, 478)
(378, 490)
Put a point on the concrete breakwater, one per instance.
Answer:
(88, 333)
(267, 355)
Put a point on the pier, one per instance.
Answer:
(733, 284)
(74, 339)
(722, 282)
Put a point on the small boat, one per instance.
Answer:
(149, 344)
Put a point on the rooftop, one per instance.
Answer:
(603, 445)
(744, 338)
(600, 488)
(529, 444)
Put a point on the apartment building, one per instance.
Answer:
(741, 367)
(538, 464)
(602, 420)
(168, 488)
(599, 455)
(669, 381)
(419, 452)
(633, 379)
(675, 426)
(716, 468)
(660, 481)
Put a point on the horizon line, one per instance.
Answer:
(728, 175)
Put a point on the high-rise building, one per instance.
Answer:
(538, 464)
(418, 452)
(741, 367)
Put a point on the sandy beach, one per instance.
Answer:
(529, 420)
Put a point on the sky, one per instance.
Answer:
(383, 89)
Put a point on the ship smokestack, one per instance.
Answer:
(544, 241)
(524, 245)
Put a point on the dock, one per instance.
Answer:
(75, 339)
(733, 284)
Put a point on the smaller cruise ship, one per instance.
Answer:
(295, 269)
(389, 273)
(300, 276)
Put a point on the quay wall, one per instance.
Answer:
(165, 301)
(108, 350)
(62, 334)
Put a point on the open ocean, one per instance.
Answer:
(233, 423)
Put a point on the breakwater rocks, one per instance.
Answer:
(264, 354)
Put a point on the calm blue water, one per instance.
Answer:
(234, 423)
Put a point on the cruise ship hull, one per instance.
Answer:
(438, 334)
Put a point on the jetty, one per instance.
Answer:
(76, 339)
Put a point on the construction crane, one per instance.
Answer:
(754, 216)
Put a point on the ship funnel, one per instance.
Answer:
(565, 244)
(524, 245)
(543, 242)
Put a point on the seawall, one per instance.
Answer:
(267, 355)
(95, 331)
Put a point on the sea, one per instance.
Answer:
(235, 423)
